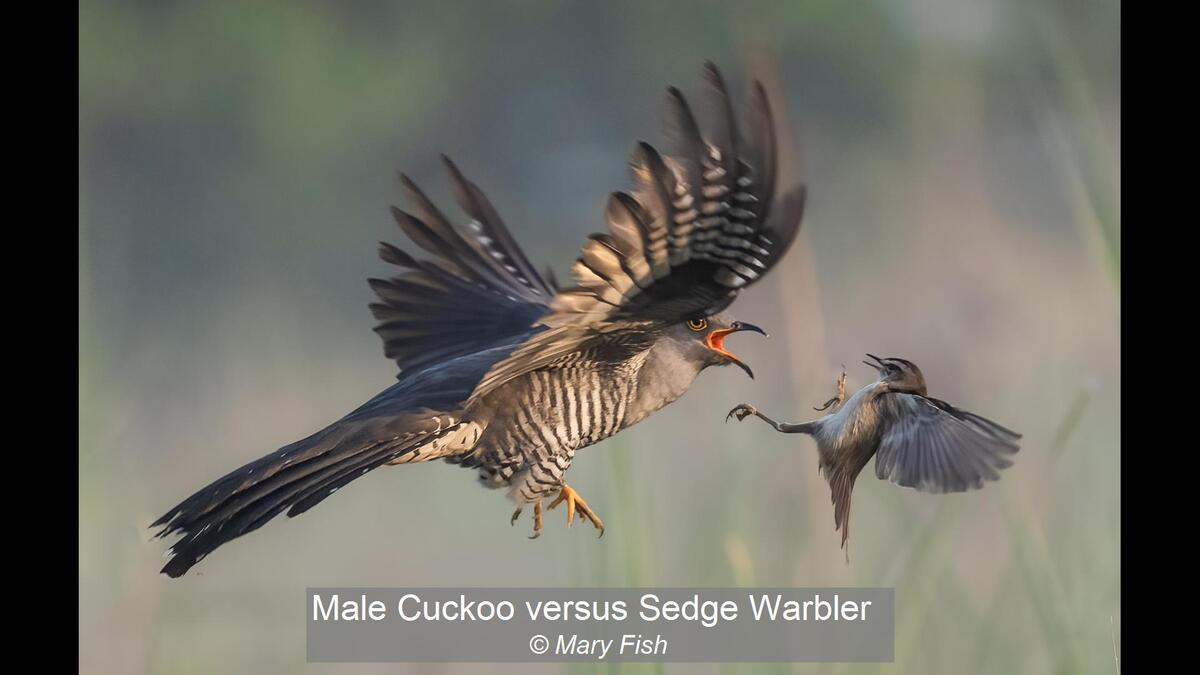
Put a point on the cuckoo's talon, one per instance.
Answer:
(537, 519)
(570, 505)
(516, 514)
(576, 503)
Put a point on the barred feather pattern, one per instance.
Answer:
(543, 417)
(698, 225)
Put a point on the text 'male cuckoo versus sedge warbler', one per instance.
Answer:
(504, 373)
(918, 441)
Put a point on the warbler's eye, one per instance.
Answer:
(698, 324)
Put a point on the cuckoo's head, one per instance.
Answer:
(900, 375)
(702, 339)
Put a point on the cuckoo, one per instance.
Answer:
(501, 371)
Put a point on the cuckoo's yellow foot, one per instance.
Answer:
(576, 503)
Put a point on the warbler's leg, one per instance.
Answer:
(744, 410)
(840, 398)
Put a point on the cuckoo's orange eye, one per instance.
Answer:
(698, 324)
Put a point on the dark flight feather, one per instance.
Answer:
(397, 422)
(245, 499)
(478, 288)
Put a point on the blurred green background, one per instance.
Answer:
(236, 164)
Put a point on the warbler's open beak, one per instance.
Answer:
(716, 342)
(876, 367)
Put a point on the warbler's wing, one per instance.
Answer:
(932, 446)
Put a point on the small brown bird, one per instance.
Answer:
(918, 441)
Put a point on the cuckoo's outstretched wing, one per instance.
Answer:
(934, 447)
(564, 346)
(703, 221)
(477, 290)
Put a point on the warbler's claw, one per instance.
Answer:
(840, 397)
(742, 411)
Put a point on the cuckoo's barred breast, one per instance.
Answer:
(543, 417)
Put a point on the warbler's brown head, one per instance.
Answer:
(900, 375)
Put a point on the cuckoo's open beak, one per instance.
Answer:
(876, 367)
(716, 342)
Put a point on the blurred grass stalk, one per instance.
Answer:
(1087, 166)
(1039, 568)
(84, 316)
(636, 553)
(627, 548)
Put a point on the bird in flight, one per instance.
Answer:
(918, 441)
(504, 373)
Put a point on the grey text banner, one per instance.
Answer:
(375, 625)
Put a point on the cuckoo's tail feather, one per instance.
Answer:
(299, 476)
